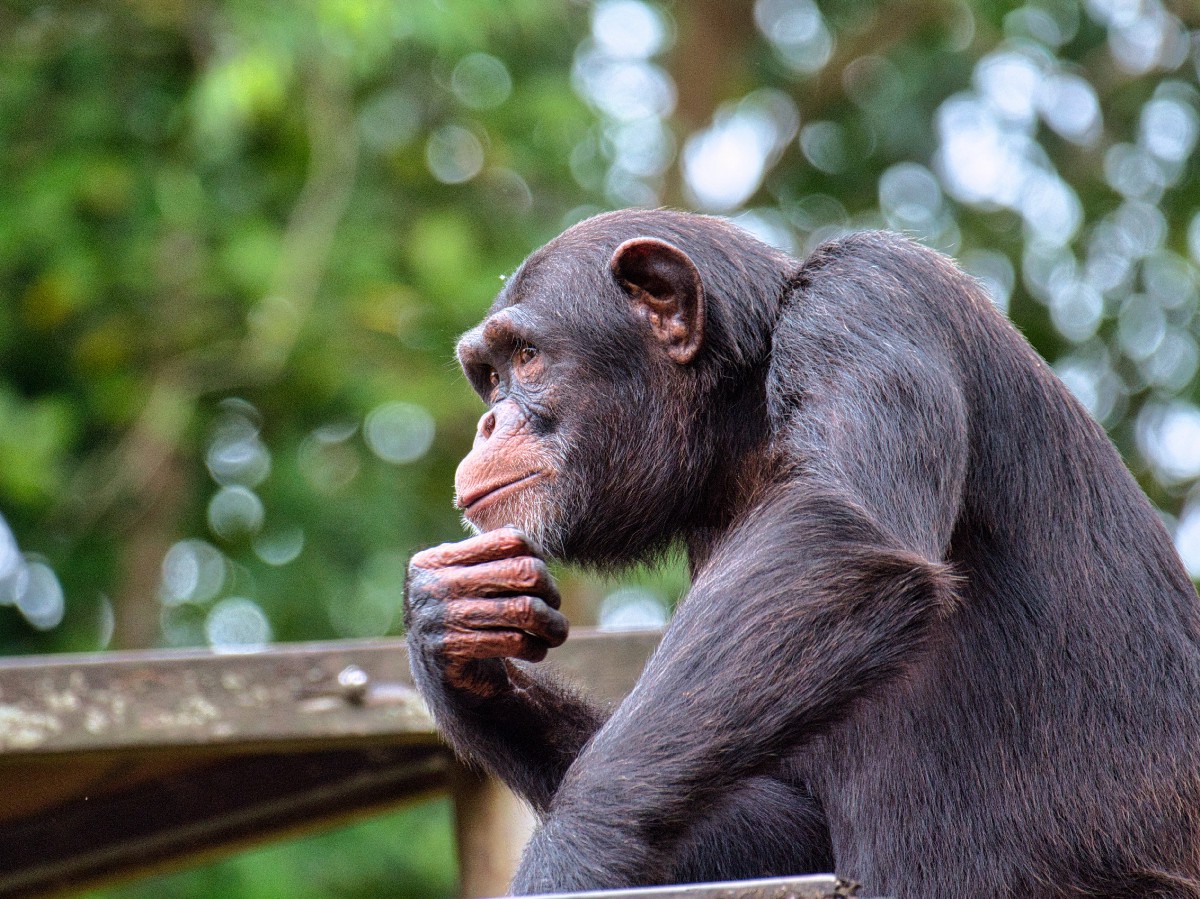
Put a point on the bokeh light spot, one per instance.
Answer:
(327, 458)
(824, 145)
(724, 165)
(1141, 327)
(1089, 375)
(389, 121)
(631, 608)
(909, 196)
(280, 547)
(1168, 129)
(1009, 81)
(628, 28)
(1069, 105)
(1168, 436)
(235, 512)
(454, 154)
(192, 571)
(1187, 538)
(236, 454)
(624, 90)
(797, 31)
(237, 624)
(399, 432)
(11, 564)
(1173, 365)
(481, 81)
(41, 598)
(994, 271)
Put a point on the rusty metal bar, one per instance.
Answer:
(818, 886)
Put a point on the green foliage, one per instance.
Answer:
(238, 241)
(238, 205)
(404, 855)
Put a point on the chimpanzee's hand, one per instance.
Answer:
(469, 606)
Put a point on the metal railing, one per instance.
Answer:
(819, 886)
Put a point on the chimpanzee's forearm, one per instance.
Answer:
(527, 736)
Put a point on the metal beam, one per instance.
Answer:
(818, 886)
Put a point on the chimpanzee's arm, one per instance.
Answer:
(821, 595)
(805, 610)
(527, 737)
(471, 609)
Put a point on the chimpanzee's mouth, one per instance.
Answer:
(482, 496)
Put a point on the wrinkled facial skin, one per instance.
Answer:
(589, 443)
(511, 473)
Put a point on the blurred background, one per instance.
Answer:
(238, 241)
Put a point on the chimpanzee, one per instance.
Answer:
(937, 640)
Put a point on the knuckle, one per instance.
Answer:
(526, 611)
(517, 540)
(515, 642)
(526, 573)
(468, 616)
(458, 645)
(427, 558)
(499, 644)
(509, 540)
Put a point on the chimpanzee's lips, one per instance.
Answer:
(477, 498)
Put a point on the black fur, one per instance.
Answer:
(937, 640)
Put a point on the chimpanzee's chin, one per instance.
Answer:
(525, 517)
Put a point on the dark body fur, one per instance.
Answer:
(937, 640)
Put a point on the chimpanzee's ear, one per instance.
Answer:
(666, 289)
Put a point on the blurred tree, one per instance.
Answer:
(236, 246)
(237, 241)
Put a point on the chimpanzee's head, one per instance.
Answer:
(619, 363)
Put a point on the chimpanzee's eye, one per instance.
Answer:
(526, 354)
(493, 377)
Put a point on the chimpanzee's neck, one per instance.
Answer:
(743, 464)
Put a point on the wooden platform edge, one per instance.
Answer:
(119, 765)
(315, 693)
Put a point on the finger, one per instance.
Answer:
(523, 574)
(502, 543)
(500, 644)
(523, 613)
